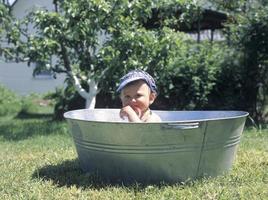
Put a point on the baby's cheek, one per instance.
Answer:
(125, 103)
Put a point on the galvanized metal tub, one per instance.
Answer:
(185, 145)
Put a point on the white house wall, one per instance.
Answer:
(18, 76)
(22, 7)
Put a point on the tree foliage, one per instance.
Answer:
(10, 103)
(250, 35)
(5, 27)
(242, 81)
(72, 33)
(144, 34)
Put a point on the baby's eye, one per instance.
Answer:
(127, 97)
(138, 95)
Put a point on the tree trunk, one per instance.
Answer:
(91, 102)
(89, 96)
(93, 91)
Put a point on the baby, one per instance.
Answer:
(137, 92)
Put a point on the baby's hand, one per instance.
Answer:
(130, 113)
(137, 111)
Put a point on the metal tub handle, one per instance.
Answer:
(190, 125)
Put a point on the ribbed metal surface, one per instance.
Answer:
(123, 149)
(232, 141)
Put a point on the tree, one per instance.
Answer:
(5, 22)
(250, 35)
(71, 34)
(248, 78)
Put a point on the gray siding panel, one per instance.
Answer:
(18, 77)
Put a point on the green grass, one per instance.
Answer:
(38, 161)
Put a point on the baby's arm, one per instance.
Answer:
(128, 112)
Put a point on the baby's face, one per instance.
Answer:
(137, 95)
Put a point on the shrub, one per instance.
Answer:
(227, 92)
(10, 103)
(66, 99)
(191, 76)
(249, 35)
(28, 104)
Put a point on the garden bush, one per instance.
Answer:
(30, 103)
(185, 71)
(189, 75)
(10, 103)
(249, 38)
(65, 99)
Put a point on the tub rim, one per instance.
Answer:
(67, 114)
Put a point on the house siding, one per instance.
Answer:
(18, 78)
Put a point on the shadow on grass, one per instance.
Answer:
(69, 173)
(18, 129)
(23, 115)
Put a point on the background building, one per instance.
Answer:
(19, 76)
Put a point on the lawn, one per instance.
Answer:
(39, 161)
